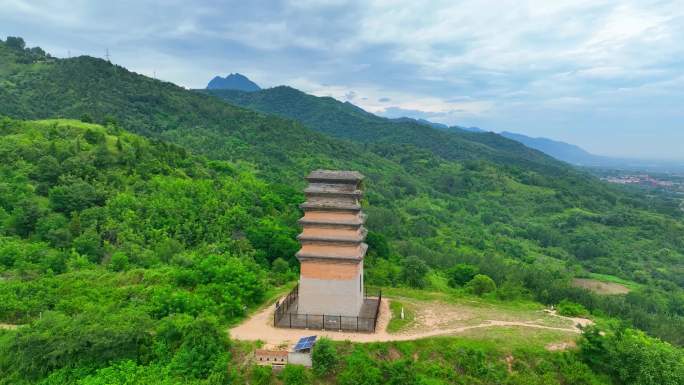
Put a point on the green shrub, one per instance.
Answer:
(571, 309)
(481, 284)
(261, 375)
(461, 274)
(118, 262)
(360, 370)
(401, 372)
(324, 357)
(631, 357)
(204, 342)
(295, 375)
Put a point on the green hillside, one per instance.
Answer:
(122, 259)
(128, 245)
(344, 120)
(526, 227)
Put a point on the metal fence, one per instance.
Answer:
(286, 316)
(282, 308)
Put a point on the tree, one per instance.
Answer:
(87, 118)
(461, 274)
(204, 342)
(15, 42)
(324, 357)
(481, 284)
(118, 261)
(378, 245)
(414, 271)
(54, 228)
(75, 196)
(295, 375)
(280, 266)
(632, 357)
(25, 217)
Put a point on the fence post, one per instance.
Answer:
(290, 320)
(307, 320)
(357, 323)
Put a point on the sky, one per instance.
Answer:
(605, 75)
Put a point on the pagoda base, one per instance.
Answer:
(363, 322)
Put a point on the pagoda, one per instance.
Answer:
(333, 248)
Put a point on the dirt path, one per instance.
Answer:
(259, 327)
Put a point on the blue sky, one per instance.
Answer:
(606, 75)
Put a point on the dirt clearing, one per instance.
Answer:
(432, 318)
(600, 287)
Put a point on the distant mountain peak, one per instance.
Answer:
(234, 81)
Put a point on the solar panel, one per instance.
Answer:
(305, 343)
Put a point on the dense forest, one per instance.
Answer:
(133, 233)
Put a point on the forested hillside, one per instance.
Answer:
(344, 120)
(183, 228)
(513, 221)
(115, 247)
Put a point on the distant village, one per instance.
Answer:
(646, 180)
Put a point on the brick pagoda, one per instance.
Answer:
(333, 248)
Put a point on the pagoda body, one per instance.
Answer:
(333, 248)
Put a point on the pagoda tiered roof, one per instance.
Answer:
(333, 221)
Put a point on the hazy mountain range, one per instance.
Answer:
(566, 152)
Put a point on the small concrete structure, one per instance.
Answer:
(300, 355)
(300, 358)
(333, 248)
(270, 357)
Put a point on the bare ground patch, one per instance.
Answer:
(432, 318)
(600, 287)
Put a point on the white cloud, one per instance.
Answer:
(541, 67)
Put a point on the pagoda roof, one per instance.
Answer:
(335, 176)
(331, 237)
(330, 205)
(332, 190)
(356, 256)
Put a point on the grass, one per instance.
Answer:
(460, 296)
(511, 338)
(613, 279)
(397, 324)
